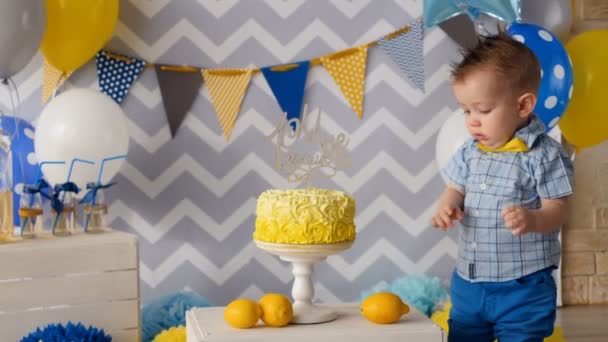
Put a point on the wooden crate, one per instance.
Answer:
(92, 278)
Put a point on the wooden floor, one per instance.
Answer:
(584, 323)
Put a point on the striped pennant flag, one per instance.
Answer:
(347, 68)
(52, 79)
(227, 88)
(407, 50)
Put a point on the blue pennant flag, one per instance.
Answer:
(287, 83)
(407, 51)
(116, 75)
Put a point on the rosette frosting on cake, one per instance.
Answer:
(305, 216)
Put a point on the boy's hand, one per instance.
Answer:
(445, 217)
(519, 219)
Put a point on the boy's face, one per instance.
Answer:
(493, 111)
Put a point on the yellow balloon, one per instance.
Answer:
(76, 30)
(585, 122)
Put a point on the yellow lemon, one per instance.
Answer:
(276, 309)
(383, 308)
(242, 313)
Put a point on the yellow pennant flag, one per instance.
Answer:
(227, 89)
(52, 79)
(348, 71)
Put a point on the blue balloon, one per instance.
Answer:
(25, 165)
(437, 11)
(555, 87)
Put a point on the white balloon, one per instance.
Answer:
(81, 123)
(452, 134)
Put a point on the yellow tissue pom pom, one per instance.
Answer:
(173, 334)
(440, 317)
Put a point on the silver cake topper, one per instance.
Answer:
(299, 164)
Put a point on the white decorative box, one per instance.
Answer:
(208, 325)
(91, 278)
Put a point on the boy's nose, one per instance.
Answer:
(474, 123)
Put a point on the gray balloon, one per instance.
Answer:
(22, 24)
(554, 15)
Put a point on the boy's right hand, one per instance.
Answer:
(445, 217)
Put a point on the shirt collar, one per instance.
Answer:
(529, 133)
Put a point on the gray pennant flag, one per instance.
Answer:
(178, 90)
(462, 30)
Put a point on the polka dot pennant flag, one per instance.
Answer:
(52, 79)
(406, 50)
(347, 68)
(227, 89)
(116, 75)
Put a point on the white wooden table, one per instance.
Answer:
(92, 278)
(208, 325)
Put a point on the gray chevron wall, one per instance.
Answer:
(191, 200)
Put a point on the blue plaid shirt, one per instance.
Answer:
(487, 251)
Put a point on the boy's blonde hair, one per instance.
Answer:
(504, 55)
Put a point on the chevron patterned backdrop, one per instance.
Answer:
(192, 200)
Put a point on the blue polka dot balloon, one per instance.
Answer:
(25, 165)
(555, 87)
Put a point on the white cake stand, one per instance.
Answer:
(303, 258)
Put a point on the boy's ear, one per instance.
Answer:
(526, 104)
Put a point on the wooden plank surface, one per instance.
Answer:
(117, 316)
(85, 288)
(209, 324)
(80, 253)
(129, 335)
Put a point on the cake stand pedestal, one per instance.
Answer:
(303, 259)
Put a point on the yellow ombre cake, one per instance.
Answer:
(305, 216)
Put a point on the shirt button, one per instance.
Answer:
(483, 186)
(473, 245)
(476, 213)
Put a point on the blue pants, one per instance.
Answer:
(520, 310)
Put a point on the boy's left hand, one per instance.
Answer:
(519, 219)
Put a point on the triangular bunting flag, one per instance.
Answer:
(287, 83)
(406, 50)
(227, 89)
(117, 73)
(178, 90)
(52, 79)
(347, 68)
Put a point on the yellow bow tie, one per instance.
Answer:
(513, 145)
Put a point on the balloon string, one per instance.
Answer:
(17, 115)
(10, 96)
(17, 108)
